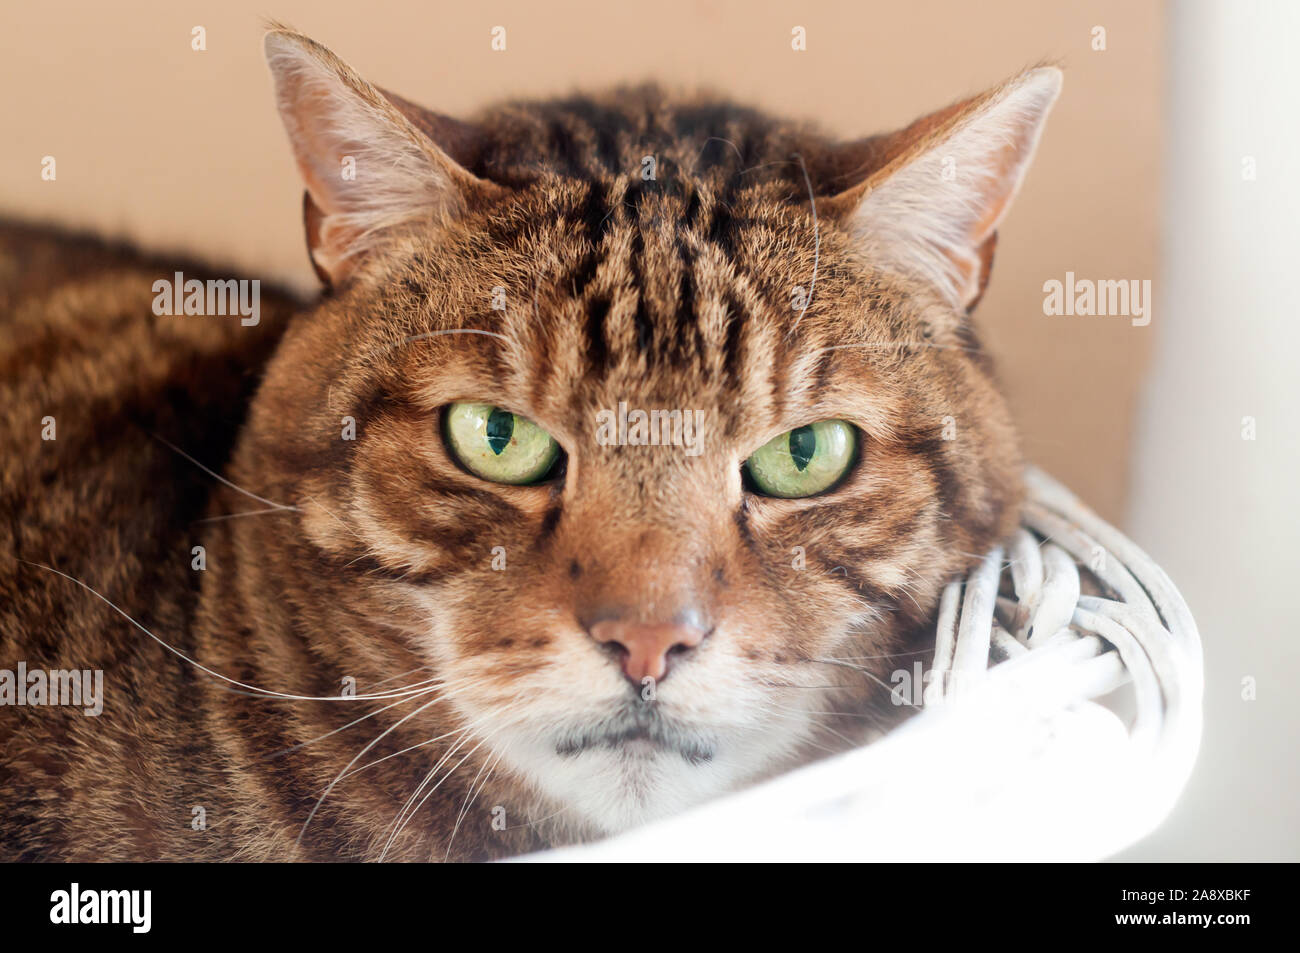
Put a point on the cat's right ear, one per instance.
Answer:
(369, 169)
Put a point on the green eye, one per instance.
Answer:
(498, 445)
(804, 461)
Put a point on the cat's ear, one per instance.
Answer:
(930, 204)
(372, 163)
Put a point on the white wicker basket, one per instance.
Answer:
(1016, 754)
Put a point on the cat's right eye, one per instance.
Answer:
(498, 445)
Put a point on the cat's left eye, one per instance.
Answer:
(498, 445)
(804, 461)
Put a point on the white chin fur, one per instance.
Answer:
(614, 789)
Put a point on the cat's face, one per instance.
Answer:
(629, 620)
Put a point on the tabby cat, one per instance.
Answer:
(621, 460)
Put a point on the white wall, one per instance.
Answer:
(1219, 512)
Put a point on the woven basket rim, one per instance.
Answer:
(1009, 720)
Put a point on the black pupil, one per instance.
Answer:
(500, 426)
(803, 444)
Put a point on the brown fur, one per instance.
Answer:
(671, 293)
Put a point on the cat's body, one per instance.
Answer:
(542, 265)
(108, 503)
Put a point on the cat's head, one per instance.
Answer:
(634, 610)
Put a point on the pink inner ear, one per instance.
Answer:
(986, 252)
(402, 175)
(933, 194)
(311, 221)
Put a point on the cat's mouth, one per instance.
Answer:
(637, 735)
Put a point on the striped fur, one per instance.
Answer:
(671, 292)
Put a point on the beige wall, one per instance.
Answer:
(182, 149)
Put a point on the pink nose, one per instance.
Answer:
(646, 645)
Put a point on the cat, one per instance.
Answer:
(404, 572)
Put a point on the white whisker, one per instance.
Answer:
(199, 665)
(217, 476)
(356, 758)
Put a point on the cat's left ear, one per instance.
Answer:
(930, 204)
(372, 163)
